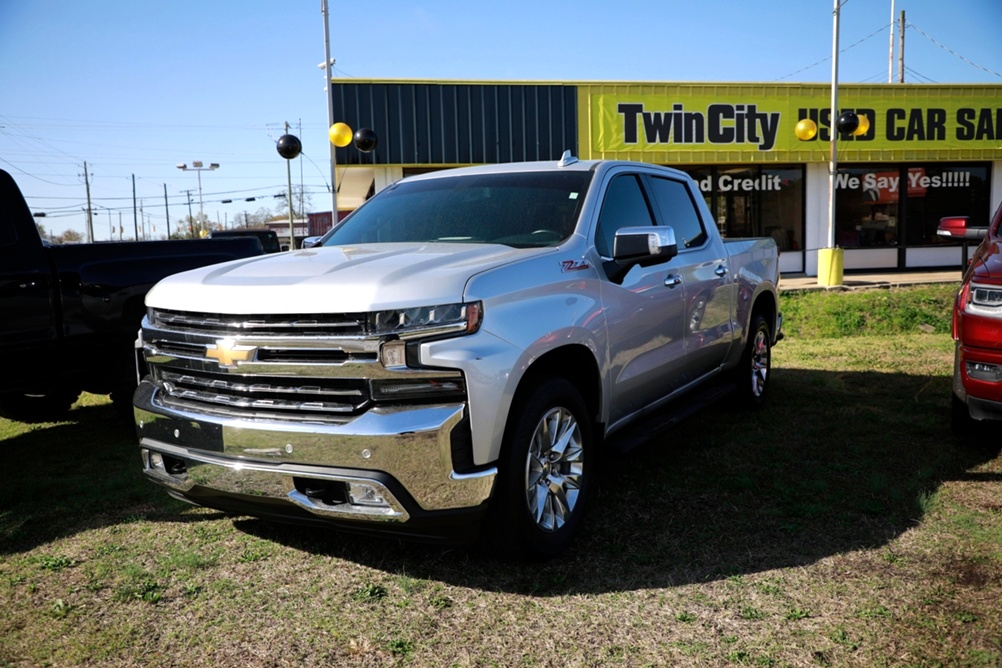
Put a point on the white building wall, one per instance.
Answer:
(815, 215)
(386, 176)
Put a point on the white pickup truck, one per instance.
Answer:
(451, 360)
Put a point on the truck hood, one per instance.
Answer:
(345, 279)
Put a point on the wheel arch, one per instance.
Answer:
(575, 363)
(766, 305)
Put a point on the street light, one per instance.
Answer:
(196, 166)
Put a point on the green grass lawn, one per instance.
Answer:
(841, 525)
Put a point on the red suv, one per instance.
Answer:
(977, 324)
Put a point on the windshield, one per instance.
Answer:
(522, 210)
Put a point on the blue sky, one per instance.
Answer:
(133, 88)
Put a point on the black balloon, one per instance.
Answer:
(289, 146)
(365, 140)
(847, 122)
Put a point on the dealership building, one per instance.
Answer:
(929, 151)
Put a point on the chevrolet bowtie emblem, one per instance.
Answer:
(228, 353)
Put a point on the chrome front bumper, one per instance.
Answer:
(387, 466)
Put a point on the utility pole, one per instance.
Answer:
(890, 49)
(191, 225)
(135, 212)
(167, 211)
(830, 260)
(302, 185)
(901, 48)
(292, 217)
(90, 213)
(330, 109)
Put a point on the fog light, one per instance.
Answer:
(157, 461)
(361, 494)
(393, 354)
(991, 373)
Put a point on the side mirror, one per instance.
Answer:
(958, 227)
(645, 246)
(310, 242)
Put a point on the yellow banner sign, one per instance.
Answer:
(705, 123)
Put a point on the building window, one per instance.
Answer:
(867, 206)
(755, 201)
(890, 205)
(944, 189)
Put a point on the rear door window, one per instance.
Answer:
(678, 211)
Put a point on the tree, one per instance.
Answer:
(300, 201)
(70, 237)
(190, 227)
(41, 231)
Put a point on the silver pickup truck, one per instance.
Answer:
(452, 358)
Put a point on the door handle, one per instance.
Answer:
(721, 271)
(673, 281)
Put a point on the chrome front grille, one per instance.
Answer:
(286, 368)
(343, 324)
(343, 396)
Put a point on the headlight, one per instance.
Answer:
(426, 321)
(991, 373)
(986, 295)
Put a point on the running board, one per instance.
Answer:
(654, 425)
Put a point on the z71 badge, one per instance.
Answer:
(573, 265)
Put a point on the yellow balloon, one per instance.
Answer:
(864, 126)
(806, 129)
(340, 134)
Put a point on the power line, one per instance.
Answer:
(918, 75)
(841, 51)
(951, 51)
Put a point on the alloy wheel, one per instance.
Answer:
(554, 469)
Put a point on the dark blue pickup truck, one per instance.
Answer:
(71, 312)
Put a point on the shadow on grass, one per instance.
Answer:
(62, 478)
(836, 461)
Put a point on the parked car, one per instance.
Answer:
(71, 313)
(977, 324)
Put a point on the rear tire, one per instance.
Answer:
(546, 475)
(752, 374)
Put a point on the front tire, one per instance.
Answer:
(546, 476)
